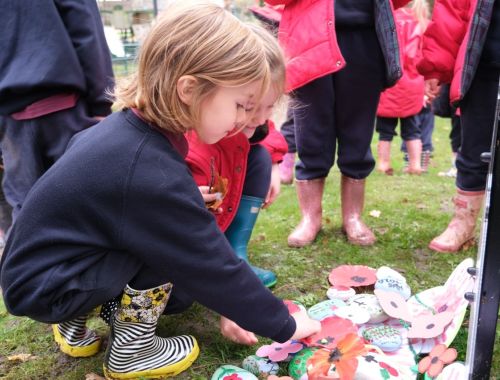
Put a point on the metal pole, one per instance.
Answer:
(155, 7)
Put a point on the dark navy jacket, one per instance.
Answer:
(122, 189)
(49, 47)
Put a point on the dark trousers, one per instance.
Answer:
(455, 133)
(477, 115)
(426, 122)
(258, 175)
(30, 147)
(386, 127)
(288, 131)
(337, 111)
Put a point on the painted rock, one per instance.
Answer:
(369, 302)
(260, 367)
(384, 271)
(297, 368)
(228, 372)
(340, 292)
(387, 338)
(355, 314)
(373, 366)
(392, 284)
(325, 309)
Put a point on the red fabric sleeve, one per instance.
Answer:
(275, 143)
(443, 38)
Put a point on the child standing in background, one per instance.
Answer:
(462, 47)
(119, 215)
(405, 100)
(248, 161)
(341, 55)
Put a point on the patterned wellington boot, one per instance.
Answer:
(74, 339)
(460, 231)
(134, 351)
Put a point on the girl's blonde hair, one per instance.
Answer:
(421, 11)
(198, 39)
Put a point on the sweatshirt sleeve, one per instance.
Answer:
(84, 26)
(275, 143)
(166, 224)
(442, 39)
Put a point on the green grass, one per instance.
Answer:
(413, 210)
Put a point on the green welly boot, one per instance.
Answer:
(239, 232)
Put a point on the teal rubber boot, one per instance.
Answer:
(239, 232)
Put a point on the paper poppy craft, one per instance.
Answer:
(434, 363)
(352, 276)
(333, 329)
(279, 352)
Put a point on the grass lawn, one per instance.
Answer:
(413, 210)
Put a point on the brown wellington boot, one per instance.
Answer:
(310, 195)
(352, 198)
(384, 157)
(414, 148)
(460, 231)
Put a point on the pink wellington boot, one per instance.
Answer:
(384, 157)
(310, 195)
(460, 231)
(286, 168)
(414, 148)
(352, 198)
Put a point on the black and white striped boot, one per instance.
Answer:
(134, 350)
(74, 339)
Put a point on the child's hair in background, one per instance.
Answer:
(202, 40)
(421, 11)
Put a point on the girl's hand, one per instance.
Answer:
(432, 88)
(274, 188)
(235, 333)
(207, 197)
(305, 325)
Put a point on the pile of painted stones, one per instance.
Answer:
(372, 328)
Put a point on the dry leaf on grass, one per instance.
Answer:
(93, 376)
(21, 357)
(375, 213)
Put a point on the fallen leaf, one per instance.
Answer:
(375, 213)
(93, 376)
(22, 357)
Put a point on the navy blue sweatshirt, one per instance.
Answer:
(49, 47)
(122, 187)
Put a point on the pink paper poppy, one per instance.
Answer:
(393, 304)
(274, 377)
(279, 352)
(352, 275)
(429, 326)
(434, 363)
(332, 330)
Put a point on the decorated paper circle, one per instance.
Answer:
(369, 302)
(355, 314)
(454, 371)
(260, 366)
(374, 366)
(341, 292)
(352, 276)
(297, 368)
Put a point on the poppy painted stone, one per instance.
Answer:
(392, 284)
(297, 368)
(387, 338)
(369, 302)
(260, 367)
(325, 309)
(454, 371)
(231, 372)
(341, 292)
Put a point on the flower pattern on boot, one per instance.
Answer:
(144, 306)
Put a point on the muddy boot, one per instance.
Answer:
(352, 199)
(310, 195)
(460, 231)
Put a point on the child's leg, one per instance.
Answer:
(255, 188)
(386, 128)
(410, 132)
(426, 122)
(288, 163)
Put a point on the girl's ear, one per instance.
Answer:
(185, 88)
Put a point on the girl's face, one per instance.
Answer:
(226, 110)
(263, 111)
